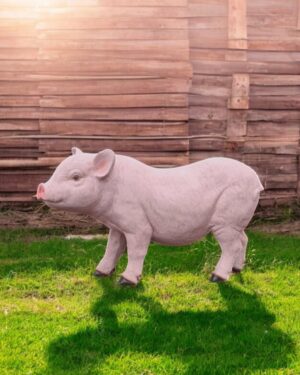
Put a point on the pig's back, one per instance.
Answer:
(180, 202)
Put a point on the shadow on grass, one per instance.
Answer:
(230, 341)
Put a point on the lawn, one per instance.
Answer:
(56, 318)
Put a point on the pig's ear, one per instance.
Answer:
(103, 163)
(75, 150)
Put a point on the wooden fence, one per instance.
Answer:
(166, 81)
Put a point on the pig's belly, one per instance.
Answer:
(179, 237)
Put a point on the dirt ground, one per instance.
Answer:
(39, 216)
(15, 216)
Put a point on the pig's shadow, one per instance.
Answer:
(239, 338)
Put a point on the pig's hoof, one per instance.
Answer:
(125, 282)
(216, 279)
(101, 274)
(236, 270)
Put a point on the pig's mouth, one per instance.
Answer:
(47, 200)
(52, 201)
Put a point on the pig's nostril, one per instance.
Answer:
(40, 191)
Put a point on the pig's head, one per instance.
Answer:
(78, 183)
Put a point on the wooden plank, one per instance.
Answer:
(272, 20)
(275, 102)
(202, 113)
(50, 146)
(106, 12)
(274, 90)
(285, 147)
(18, 88)
(273, 115)
(19, 101)
(272, 165)
(273, 130)
(270, 56)
(18, 42)
(206, 144)
(298, 16)
(19, 152)
(207, 9)
(210, 128)
(120, 67)
(18, 54)
(280, 181)
(20, 126)
(275, 80)
(115, 34)
(271, 7)
(236, 125)
(237, 24)
(94, 55)
(13, 24)
(145, 114)
(236, 55)
(204, 100)
(206, 54)
(18, 13)
(112, 23)
(6, 142)
(240, 92)
(115, 101)
(17, 3)
(147, 46)
(273, 33)
(112, 86)
(208, 23)
(148, 114)
(232, 67)
(122, 128)
(11, 182)
(113, 3)
(274, 45)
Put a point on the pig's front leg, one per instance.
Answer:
(137, 247)
(116, 246)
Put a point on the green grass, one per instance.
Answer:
(55, 318)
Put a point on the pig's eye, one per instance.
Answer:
(76, 177)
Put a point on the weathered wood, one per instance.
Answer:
(109, 86)
(273, 130)
(85, 54)
(240, 92)
(211, 128)
(151, 79)
(237, 24)
(51, 145)
(127, 34)
(106, 12)
(275, 80)
(114, 101)
(298, 16)
(121, 128)
(236, 124)
(275, 102)
(114, 23)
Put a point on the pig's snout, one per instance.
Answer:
(40, 194)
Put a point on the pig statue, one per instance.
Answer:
(171, 206)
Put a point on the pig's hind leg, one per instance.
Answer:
(116, 246)
(239, 263)
(233, 246)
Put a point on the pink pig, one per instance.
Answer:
(174, 206)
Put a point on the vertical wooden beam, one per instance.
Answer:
(298, 21)
(238, 103)
(240, 92)
(237, 24)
